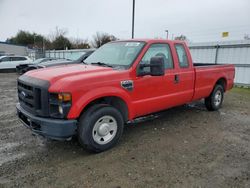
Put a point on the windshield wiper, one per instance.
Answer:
(101, 64)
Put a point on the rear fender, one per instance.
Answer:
(219, 78)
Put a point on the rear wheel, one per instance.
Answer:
(214, 101)
(100, 128)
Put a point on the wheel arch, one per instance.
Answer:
(112, 96)
(223, 82)
(114, 101)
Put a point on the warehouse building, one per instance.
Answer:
(225, 52)
(6, 48)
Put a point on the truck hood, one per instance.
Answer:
(69, 72)
(51, 63)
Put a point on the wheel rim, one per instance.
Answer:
(217, 98)
(104, 130)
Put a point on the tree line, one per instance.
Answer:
(58, 40)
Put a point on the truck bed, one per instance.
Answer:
(205, 64)
(206, 76)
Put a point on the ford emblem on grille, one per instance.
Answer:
(23, 94)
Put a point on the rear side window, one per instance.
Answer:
(182, 55)
(15, 59)
(18, 58)
(23, 58)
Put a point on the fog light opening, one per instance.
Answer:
(60, 109)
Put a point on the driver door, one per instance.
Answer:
(154, 93)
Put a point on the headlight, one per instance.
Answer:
(60, 104)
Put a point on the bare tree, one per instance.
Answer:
(246, 37)
(78, 43)
(58, 39)
(58, 32)
(181, 37)
(102, 38)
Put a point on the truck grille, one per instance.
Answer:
(33, 95)
(29, 96)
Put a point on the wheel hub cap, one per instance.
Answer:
(217, 98)
(104, 130)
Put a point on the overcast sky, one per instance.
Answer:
(199, 20)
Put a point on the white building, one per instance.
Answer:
(6, 48)
(226, 52)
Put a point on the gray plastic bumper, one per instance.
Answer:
(58, 129)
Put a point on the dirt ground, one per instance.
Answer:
(182, 147)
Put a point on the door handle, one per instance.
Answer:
(176, 79)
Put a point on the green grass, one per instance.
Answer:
(241, 90)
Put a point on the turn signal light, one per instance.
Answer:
(65, 97)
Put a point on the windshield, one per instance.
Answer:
(73, 55)
(116, 54)
(37, 61)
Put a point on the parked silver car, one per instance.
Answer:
(20, 69)
(10, 62)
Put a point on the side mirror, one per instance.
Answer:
(157, 66)
(154, 68)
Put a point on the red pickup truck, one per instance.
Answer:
(119, 82)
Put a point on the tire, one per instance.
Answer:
(214, 101)
(100, 128)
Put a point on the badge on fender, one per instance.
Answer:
(128, 85)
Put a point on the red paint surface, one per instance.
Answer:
(151, 93)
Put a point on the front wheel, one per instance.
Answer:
(100, 128)
(214, 101)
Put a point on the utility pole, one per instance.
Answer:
(133, 19)
(167, 33)
(34, 40)
(43, 46)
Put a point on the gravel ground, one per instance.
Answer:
(185, 146)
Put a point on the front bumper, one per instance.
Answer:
(57, 129)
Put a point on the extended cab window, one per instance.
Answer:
(160, 50)
(182, 55)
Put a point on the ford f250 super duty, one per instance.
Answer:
(119, 82)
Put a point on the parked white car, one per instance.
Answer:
(10, 62)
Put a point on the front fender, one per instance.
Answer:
(83, 100)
